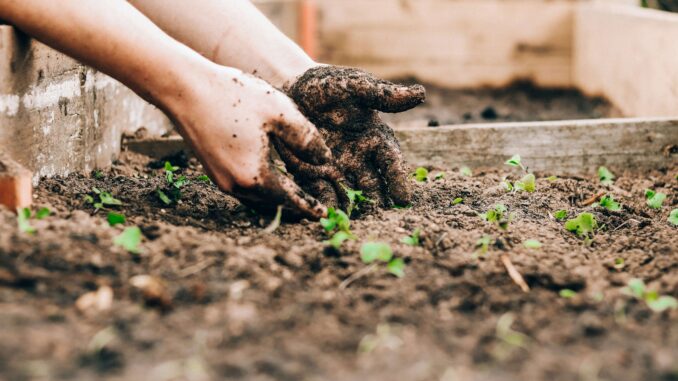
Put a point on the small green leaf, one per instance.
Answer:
(108, 199)
(552, 178)
(466, 171)
(396, 267)
(654, 199)
(663, 303)
(89, 199)
(673, 217)
(483, 245)
(527, 183)
(375, 251)
(619, 263)
(605, 176)
(532, 244)
(507, 185)
(636, 288)
(439, 176)
(567, 293)
(23, 221)
(457, 201)
(336, 219)
(514, 161)
(115, 218)
(180, 182)
(42, 213)
(421, 174)
(560, 214)
(584, 225)
(355, 199)
(170, 168)
(412, 240)
(205, 179)
(609, 203)
(129, 239)
(98, 175)
(163, 197)
(339, 238)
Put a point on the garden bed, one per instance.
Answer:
(239, 303)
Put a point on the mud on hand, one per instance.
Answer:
(344, 104)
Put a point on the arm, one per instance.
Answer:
(225, 115)
(232, 33)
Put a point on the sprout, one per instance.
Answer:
(605, 176)
(129, 239)
(654, 199)
(412, 240)
(584, 225)
(609, 203)
(421, 174)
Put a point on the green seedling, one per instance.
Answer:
(584, 225)
(482, 246)
(605, 176)
(532, 244)
(339, 238)
(98, 175)
(673, 217)
(609, 203)
(507, 185)
(24, 216)
(515, 161)
(498, 215)
(372, 252)
(129, 239)
(336, 220)
(654, 199)
(457, 201)
(619, 263)
(116, 219)
(173, 193)
(106, 199)
(567, 293)
(205, 179)
(466, 171)
(657, 303)
(412, 240)
(507, 335)
(560, 214)
(439, 176)
(420, 174)
(355, 199)
(527, 183)
(552, 178)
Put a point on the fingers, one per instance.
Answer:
(389, 97)
(297, 133)
(395, 174)
(368, 182)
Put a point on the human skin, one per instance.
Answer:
(225, 115)
(342, 102)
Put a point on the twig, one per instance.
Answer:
(514, 274)
(357, 275)
(275, 224)
(594, 198)
(198, 267)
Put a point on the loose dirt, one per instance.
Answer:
(232, 302)
(520, 102)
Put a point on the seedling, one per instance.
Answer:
(552, 178)
(372, 252)
(498, 215)
(657, 303)
(129, 239)
(654, 199)
(173, 193)
(532, 244)
(339, 238)
(466, 171)
(336, 219)
(24, 216)
(105, 199)
(355, 199)
(115, 218)
(673, 217)
(515, 161)
(457, 201)
(421, 174)
(98, 175)
(440, 176)
(527, 183)
(619, 263)
(205, 179)
(567, 293)
(507, 185)
(482, 246)
(560, 214)
(605, 176)
(609, 203)
(412, 240)
(584, 225)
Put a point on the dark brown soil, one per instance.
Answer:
(241, 304)
(520, 102)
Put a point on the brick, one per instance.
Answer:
(16, 187)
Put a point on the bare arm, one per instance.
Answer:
(232, 33)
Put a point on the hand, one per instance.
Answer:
(344, 103)
(228, 118)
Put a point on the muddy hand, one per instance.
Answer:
(344, 104)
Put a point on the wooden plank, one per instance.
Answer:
(563, 147)
(462, 43)
(16, 188)
(628, 54)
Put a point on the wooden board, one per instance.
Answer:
(628, 54)
(567, 147)
(461, 43)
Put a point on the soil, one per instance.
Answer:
(519, 102)
(230, 301)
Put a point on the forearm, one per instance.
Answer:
(231, 33)
(113, 37)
